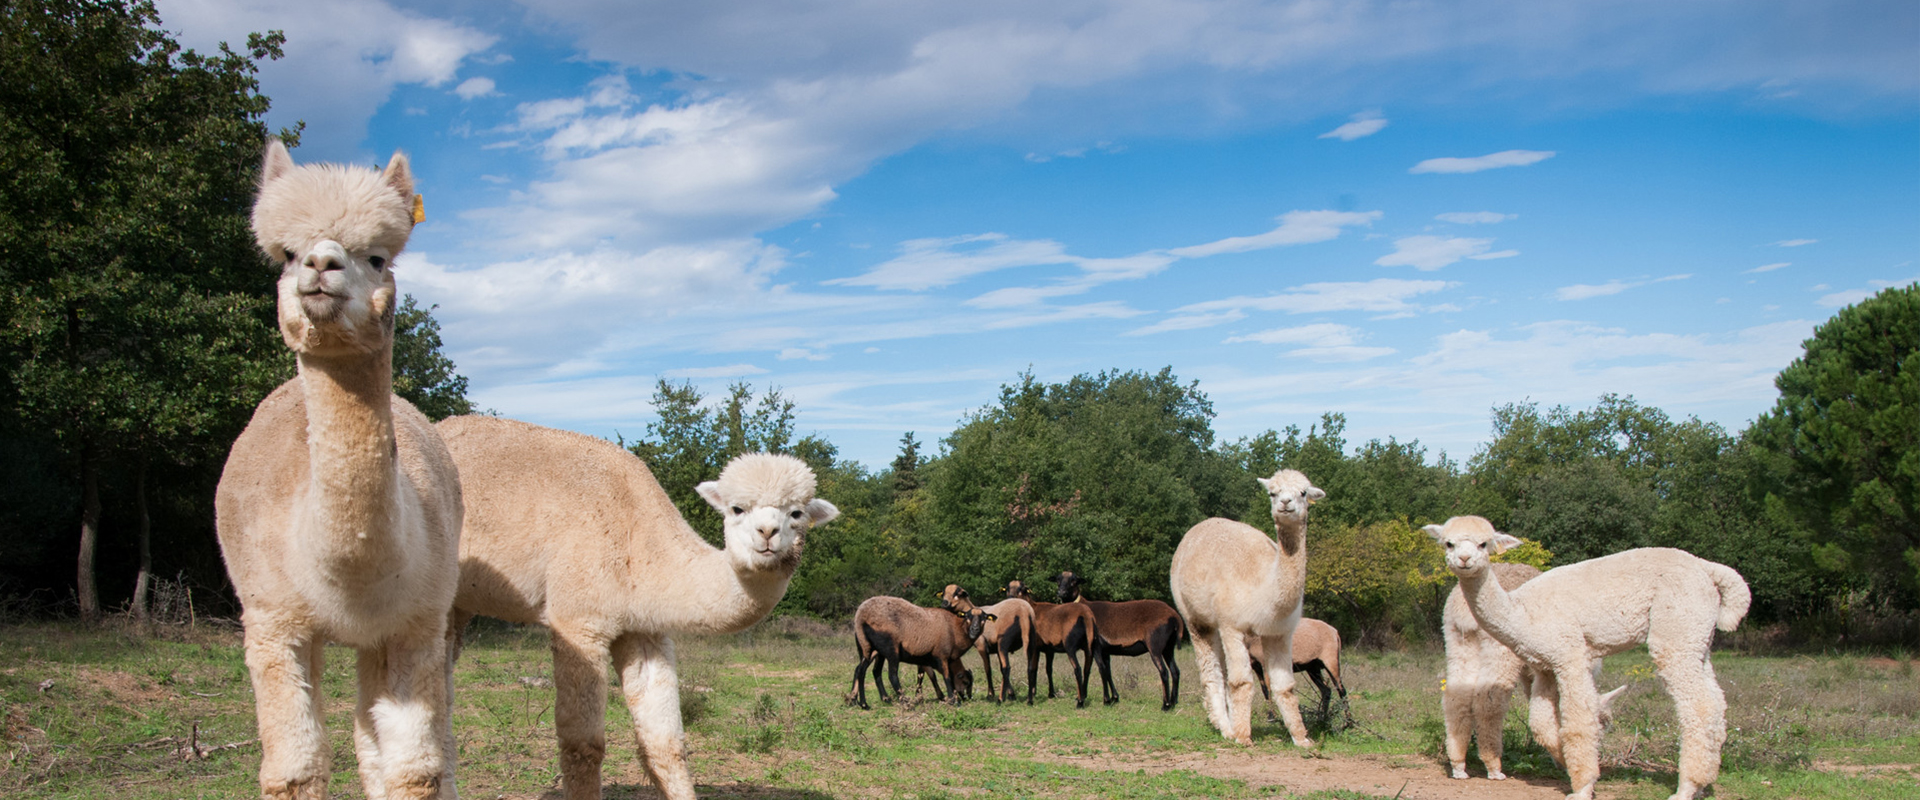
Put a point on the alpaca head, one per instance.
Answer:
(334, 230)
(1288, 495)
(768, 504)
(1471, 543)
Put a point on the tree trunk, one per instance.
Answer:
(89, 534)
(143, 583)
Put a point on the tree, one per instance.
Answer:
(689, 444)
(130, 290)
(906, 466)
(1845, 438)
(423, 374)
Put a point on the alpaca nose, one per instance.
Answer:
(323, 262)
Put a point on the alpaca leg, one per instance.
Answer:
(1579, 728)
(401, 724)
(1456, 709)
(1543, 714)
(296, 758)
(1285, 690)
(1490, 711)
(1701, 709)
(580, 711)
(1239, 688)
(1213, 694)
(651, 684)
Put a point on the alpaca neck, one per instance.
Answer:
(1290, 558)
(351, 454)
(1499, 615)
(718, 595)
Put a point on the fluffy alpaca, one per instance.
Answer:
(1230, 581)
(339, 508)
(574, 533)
(1481, 674)
(1559, 622)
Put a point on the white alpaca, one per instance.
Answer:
(1481, 674)
(574, 533)
(1561, 621)
(339, 508)
(1230, 581)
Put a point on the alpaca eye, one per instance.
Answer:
(796, 515)
(288, 254)
(377, 262)
(736, 510)
(1449, 545)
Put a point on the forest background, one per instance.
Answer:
(136, 336)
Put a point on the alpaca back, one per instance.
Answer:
(1615, 602)
(1223, 576)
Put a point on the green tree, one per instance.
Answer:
(130, 290)
(906, 466)
(1100, 475)
(1845, 435)
(422, 373)
(689, 442)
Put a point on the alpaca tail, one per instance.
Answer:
(1735, 597)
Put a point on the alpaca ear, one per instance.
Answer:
(1438, 533)
(1502, 543)
(276, 162)
(1265, 484)
(1315, 495)
(710, 492)
(821, 512)
(399, 176)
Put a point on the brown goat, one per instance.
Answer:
(892, 630)
(1012, 631)
(1131, 628)
(1058, 628)
(1316, 651)
(966, 682)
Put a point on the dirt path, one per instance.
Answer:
(1373, 774)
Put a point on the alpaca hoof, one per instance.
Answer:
(1303, 743)
(1460, 773)
(1242, 739)
(1496, 775)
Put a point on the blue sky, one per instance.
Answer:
(1406, 212)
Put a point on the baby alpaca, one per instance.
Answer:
(573, 532)
(1559, 622)
(339, 509)
(1481, 674)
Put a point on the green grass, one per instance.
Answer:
(766, 718)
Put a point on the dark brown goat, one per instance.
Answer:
(892, 630)
(1316, 651)
(1131, 628)
(1058, 628)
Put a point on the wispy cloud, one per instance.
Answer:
(1428, 253)
(1852, 296)
(1794, 242)
(1583, 291)
(1296, 227)
(1384, 296)
(1504, 158)
(1768, 267)
(728, 371)
(475, 87)
(1365, 123)
(1474, 217)
(1325, 342)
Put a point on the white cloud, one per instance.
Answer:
(344, 58)
(1474, 217)
(727, 371)
(801, 353)
(1296, 227)
(1504, 158)
(475, 87)
(1365, 123)
(1851, 296)
(1495, 254)
(1794, 242)
(1428, 253)
(1324, 334)
(931, 263)
(1582, 291)
(1768, 267)
(1384, 296)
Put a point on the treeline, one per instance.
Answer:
(1101, 475)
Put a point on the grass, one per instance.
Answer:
(170, 716)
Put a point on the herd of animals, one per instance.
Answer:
(345, 515)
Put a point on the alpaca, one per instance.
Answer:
(1316, 652)
(1481, 674)
(1559, 622)
(573, 532)
(1230, 581)
(1131, 628)
(339, 509)
(888, 630)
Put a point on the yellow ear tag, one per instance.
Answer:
(419, 209)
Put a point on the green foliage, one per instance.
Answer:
(1379, 481)
(1845, 442)
(691, 442)
(1369, 580)
(423, 374)
(1099, 475)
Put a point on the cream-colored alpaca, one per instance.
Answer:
(1230, 581)
(1481, 674)
(574, 533)
(339, 508)
(1559, 622)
